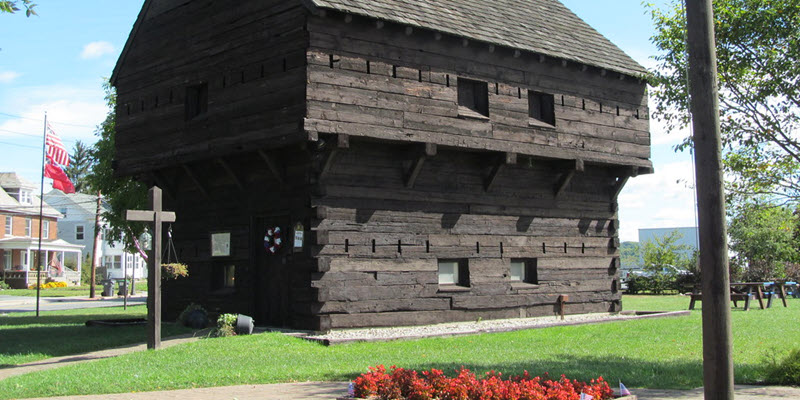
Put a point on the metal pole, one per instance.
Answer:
(41, 212)
(717, 342)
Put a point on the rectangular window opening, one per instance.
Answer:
(9, 225)
(79, 232)
(454, 272)
(196, 100)
(28, 227)
(524, 270)
(473, 96)
(224, 277)
(541, 107)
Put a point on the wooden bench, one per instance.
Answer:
(735, 297)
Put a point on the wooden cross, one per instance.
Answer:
(156, 216)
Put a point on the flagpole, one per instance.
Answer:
(41, 222)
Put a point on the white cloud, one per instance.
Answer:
(663, 199)
(8, 76)
(73, 112)
(97, 50)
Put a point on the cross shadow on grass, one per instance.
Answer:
(45, 319)
(29, 338)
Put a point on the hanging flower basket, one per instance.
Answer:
(174, 271)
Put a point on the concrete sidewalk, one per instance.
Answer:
(332, 390)
(15, 304)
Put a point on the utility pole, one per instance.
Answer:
(95, 245)
(703, 89)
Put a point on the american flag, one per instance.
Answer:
(56, 151)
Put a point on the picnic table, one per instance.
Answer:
(745, 291)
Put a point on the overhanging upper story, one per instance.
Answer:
(201, 79)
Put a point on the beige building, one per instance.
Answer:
(19, 238)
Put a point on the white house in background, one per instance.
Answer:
(77, 226)
(19, 237)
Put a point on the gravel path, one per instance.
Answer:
(474, 327)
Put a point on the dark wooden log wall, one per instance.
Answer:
(251, 54)
(241, 198)
(399, 84)
(378, 240)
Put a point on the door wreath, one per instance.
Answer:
(272, 240)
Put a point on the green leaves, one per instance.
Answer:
(758, 51)
(121, 194)
(763, 237)
(10, 6)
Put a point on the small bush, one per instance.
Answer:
(4, 285)
(225, 326)
(785, 371)
(194, 316)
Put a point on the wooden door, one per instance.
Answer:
(272, 280)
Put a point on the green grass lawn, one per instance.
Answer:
(70, 291)
(651, 353)
(26, 338)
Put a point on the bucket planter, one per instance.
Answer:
(244, 325)
(233, 324)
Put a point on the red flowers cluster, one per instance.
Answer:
(399, 383)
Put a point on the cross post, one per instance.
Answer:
(156, 216)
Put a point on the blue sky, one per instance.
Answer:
(56, 62)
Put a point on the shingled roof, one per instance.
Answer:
(540, 26)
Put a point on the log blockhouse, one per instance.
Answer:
(441, 161)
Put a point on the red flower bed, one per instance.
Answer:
(399, 383)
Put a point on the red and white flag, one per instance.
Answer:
(56, 151)
(60, 179)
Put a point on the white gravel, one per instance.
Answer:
(470, 327)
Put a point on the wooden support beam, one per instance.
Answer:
(422, 154)
(327, 162)
(193, 177)
(618, 185)
(499, 165)
(570, 168)
(231, 173)
(342, 142)
(272, 165)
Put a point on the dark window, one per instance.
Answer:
(224, 277)
(196, 100)
(474, 96)
(454, 272)
(541, 107)
(524, 270)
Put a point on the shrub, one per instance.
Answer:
(194, 316)
(174, 271)
(785, 371)
(400, 383)
(4, 285)
(225, 326)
